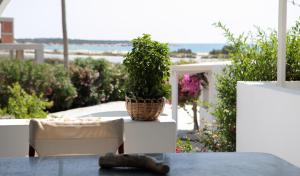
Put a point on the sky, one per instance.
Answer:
(174, 21)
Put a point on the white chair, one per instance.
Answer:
(75, 137)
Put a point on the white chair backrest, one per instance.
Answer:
(75, 137)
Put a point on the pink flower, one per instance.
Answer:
(178, 150)
(190, 86)
(49, 91)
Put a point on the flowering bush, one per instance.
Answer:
(184, 147)
(83, 78)
(190, 87)
(211, 138)
(97, 81)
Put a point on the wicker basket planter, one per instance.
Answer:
(144, 109)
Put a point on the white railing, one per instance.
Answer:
(19, 48)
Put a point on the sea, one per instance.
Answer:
(123, 48)
(195, 47)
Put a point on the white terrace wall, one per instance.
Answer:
(140, 137)
(14, 136)
(268, 119)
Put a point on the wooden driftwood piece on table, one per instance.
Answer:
(137, 161)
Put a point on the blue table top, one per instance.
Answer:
(183, 164)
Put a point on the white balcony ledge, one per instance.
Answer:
(268, 119)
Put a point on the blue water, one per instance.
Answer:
(201, 47)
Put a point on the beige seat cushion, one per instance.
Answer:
(57, 137)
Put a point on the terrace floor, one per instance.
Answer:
(185, 120)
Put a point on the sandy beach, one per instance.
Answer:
(115, 57)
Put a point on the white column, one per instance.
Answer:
(205, 97)
(20, 54)
(11, 54)
(281, 58)
(174, 84)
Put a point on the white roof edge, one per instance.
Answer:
(200, 66)
(3, 5)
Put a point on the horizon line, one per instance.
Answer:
(113, 40)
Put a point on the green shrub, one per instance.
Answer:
(50, 80)
(254, 58)
(22, 105)
(118, 77)
(89, 81)
(148, 69)
(2, 112)
(54, 61)
(183, 53)
(183, 61)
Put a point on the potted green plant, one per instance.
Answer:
(148, 72)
